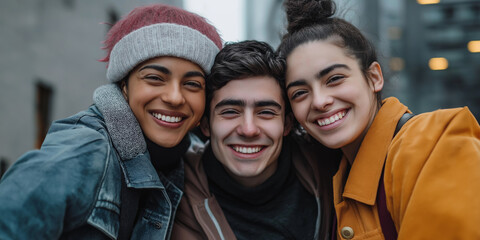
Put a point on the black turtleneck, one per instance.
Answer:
(279, 208)
(166, 159)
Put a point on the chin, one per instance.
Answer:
(330, 144)
(166, 143)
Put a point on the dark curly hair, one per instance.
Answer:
(242, 60)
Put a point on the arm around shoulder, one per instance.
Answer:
(52, 189)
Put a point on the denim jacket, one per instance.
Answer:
(70, 188)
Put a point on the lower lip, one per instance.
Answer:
(248, 156)
(332, 125)
(168, 124)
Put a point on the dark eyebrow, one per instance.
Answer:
(329, 69)
(167, 71)
(318, 75)
(157, 67)
(230, 102)
(296, 83)
(194, 74)
(268, 103)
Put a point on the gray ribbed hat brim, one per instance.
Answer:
(163, 39)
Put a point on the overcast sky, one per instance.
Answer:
(226, 15)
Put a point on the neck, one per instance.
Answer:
(166, 159)
(254, 181)
(350, 150)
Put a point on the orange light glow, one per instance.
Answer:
(474, 46)
(439, 63)
(424, 2)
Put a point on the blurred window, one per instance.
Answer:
(43, 104)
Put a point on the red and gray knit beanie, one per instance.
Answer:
(159, 30)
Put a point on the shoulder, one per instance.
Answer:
(429, 127)
(433, 137)
(74, 144)
(435, 155)
(90, 119)
(61, 180)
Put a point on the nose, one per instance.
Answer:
(322, 99)
(173, 95)
(248, 126)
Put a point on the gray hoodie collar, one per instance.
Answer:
(127, 137)
(122, 125)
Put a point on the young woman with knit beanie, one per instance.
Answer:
(115, 170)
(416, 181)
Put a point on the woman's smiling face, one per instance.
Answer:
(329, 94)
(167, 96)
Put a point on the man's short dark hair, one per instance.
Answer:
(242, 60)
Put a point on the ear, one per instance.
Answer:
(288, 124)
(123, 86)
(376, 77)
(205, 126)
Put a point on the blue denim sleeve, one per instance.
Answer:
(52, 190)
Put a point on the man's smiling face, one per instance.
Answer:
(246, 128)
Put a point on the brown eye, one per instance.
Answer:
(297, 94)
(335, 78)
(154, 78)
(194, 84)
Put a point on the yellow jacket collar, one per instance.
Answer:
(364, 176)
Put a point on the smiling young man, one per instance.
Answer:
(252, 182)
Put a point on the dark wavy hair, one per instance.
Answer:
(242, 60)
(313, 20)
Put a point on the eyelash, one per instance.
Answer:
(263, 112)
(154, 77)
(297, 94)
(194, 84)
(268, 112)
(228, 111)
(335, 78)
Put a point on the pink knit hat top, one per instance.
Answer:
(159, 30)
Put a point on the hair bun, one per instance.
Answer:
(304, 13)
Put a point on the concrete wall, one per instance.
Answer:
(57, 42)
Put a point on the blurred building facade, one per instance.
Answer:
(48, 64)
(443, 36)
(49, 51)
(410, 36)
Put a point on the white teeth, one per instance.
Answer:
(332, 119)
(167, 118)
(247, 149)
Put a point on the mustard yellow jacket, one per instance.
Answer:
(431, 177)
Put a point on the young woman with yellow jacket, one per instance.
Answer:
(420, 183)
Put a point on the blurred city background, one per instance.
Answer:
(429, 51)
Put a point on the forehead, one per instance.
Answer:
(308, 59)
(250, 89)
(321, 52)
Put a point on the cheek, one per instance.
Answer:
(274, 129)
(140, 95)
(300, 111)
(220, 128)
(196, 101)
